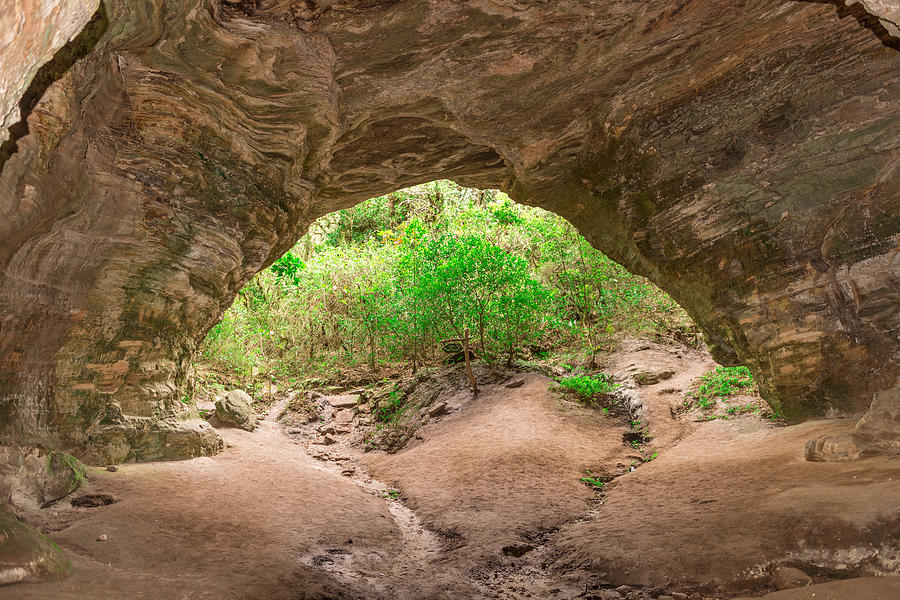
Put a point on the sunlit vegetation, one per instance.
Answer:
(381, 284)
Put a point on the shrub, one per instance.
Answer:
(588, 388)
(721, 383)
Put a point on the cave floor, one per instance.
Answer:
(490, 507)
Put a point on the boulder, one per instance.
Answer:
(236, 409)
(34, 477)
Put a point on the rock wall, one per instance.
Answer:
(742, 155)
(31, 31)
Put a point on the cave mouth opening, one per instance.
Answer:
(375, 288)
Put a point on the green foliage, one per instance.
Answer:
(288, 268)
(721, 383)
(390, 494)
(392, 409)
(385, 281)
(593, 481)
(589, 388)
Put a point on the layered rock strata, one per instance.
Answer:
(743, 156)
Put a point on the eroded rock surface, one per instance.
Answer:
(25, 554)
(745, 157)
(31, 31)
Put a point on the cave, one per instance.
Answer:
(743, 156)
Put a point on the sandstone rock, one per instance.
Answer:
(343, 417)
(329, 439)
(31, 31)
(651, 378)
(235, 408)
(343, 401)
(33, 477)
(698, 178)
(25, 554)
(438, 409)
(515, 383)
(834, 448)
(785, 578)
(112, 468)
(646, 378)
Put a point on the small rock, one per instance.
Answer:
(343, 417)
(348, 472)
(623, 589)
(295, 430)
(112, 468)
(665, 597)
(515, 383)
(326, 429)
(609, 595)
(785, 578)
(328, 440)
(343, 400)
(438, 409)
(102, 538)
(678, 596)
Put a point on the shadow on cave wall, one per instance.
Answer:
(58, 66)
(866, 20)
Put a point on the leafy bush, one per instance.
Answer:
(722, 383)
(385, 281)
(589, 388)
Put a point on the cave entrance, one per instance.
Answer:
(373, 289)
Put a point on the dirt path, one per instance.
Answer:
(247, 523)
(492, 507)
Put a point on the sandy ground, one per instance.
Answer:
(721, 503)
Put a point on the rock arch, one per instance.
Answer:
(742, 155)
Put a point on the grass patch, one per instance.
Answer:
(722, 382)
(589, 389)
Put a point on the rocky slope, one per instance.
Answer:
(742, 155)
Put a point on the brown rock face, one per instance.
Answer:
(31, 31)
(744, 156)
